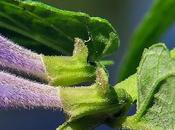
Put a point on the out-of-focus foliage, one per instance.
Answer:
(156, 22)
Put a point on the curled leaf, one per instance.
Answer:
(44, 25)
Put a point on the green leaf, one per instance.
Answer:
(155, 65)
(44, 25)
(161, 114)
(155, 23)
(156, 102)
(106, 62)
(130, 86)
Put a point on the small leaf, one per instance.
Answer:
(130, 86)
(45, 25)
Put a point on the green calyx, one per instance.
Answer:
(95, 102)
(70, 70)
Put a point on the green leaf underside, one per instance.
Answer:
(156, 80)
(155, 23)
(156, 64)
(44, 25)
(162, 113)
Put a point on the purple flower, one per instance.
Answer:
(21, 61)
(20, 93)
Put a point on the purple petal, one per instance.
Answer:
(20, 60)
(20, 93)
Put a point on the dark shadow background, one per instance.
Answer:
(124, 16)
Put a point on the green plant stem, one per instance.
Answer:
(130, 86)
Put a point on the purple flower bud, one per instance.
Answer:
(20, 93)
(21, 61)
